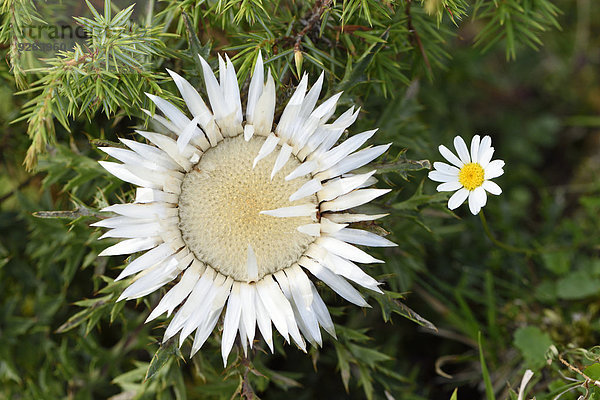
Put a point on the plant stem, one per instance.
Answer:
(498, 243)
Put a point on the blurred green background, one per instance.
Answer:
(454, 298)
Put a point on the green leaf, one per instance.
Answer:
(489, 389)
(577, 285)
(454, 394)
(593, 371)
(389, 305)
(533, 345)
(165, 353)
(356, 74)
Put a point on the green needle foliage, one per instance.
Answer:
(460, 318)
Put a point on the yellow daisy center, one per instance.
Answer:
(219, 210)
(471, 176)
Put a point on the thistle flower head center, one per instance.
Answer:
(219, 210)
(471, 176)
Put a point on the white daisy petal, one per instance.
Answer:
(445, 168)
(475, 148)
(494, 169)
(485, 158)
(449, 186)
(461, 149)
(491, 187)
(438, 176)
(458, 198)
(484, 146)
(448, 155)
(477, 199)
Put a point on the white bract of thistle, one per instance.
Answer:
(470, 173)
(236, 213)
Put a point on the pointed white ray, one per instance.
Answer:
(264, 111)
(179, 292)
(269, 298)
(187, 133)
(131, 246)
(309, 188)
(198, 108)
(123, 173)
(321, 311)
(169, 146)
(116, 222)
(345, 250)
(157, 277)
(251, 265)
(310, 229)
(337, 283)
(171, 127)
(143, 210)
(338, 153)
(329, 227)
(286, 310)
(267, 148)
(282, 158)
(248, 131)
(263, 320)
(247, 294)
(232, 321)
(292, 109)
(353, 161)
(152, 153)
(205, 329)
(304, 210)
(148, 195)
(342, 186)
(213, 89)
(303, 169)
(350, 217)
(132, 158)
(195, 298)
(138, 230)
(284, 284)
(256, 88)
(303, 300)
(364, 238)
(343, 267)
(353, 199)
(147, 260)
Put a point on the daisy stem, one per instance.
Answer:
(498, 243)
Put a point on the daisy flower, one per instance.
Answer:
(237, 212)
(470, 173)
